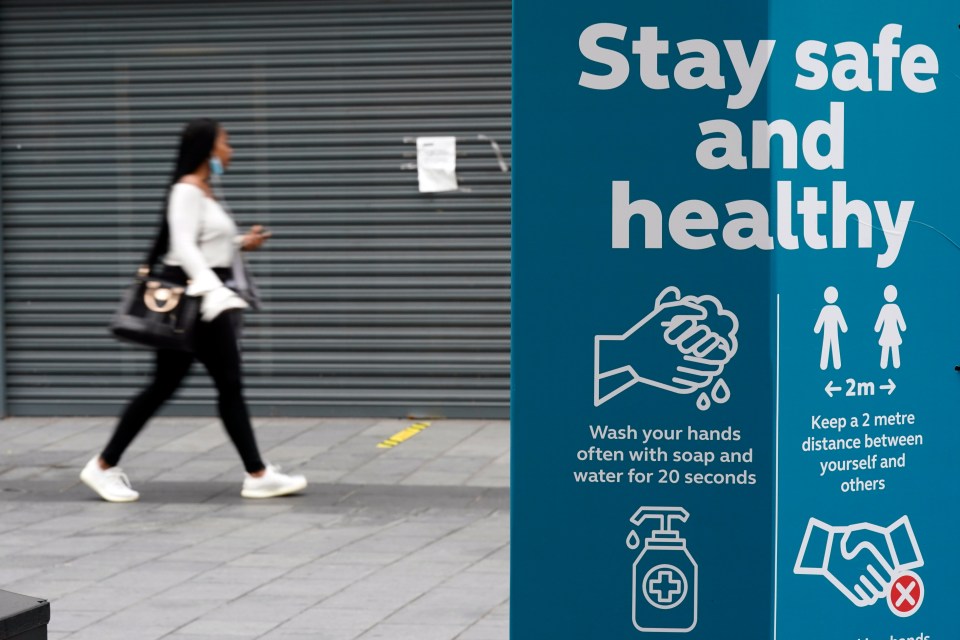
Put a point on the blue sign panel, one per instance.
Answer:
(733, 341)
(867, 321)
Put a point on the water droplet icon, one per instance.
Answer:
(703, 401)
(633, 540)
(721, 392)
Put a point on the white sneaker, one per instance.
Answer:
(272, 484)
(111, 484)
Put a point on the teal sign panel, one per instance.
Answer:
(734, 404)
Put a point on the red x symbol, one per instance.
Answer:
(906, 594)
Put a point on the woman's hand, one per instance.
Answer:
(254, 238)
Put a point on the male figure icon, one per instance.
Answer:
(831, 323)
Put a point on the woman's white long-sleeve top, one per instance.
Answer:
(203, 236)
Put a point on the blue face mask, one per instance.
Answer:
(216, 167)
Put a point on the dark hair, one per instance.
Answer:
(196, 144)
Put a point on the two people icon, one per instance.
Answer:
(889, 325)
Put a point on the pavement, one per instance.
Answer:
(399, 542)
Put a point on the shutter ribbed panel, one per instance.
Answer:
(379, 300)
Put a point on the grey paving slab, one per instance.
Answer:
(167, 461)
(10, 429)
(68, 621)
(203, 439)
(51, 588)
(23, 473)
(106, 630)
(328, 576)
(390, 631)
(165, 614)
(216, 593)
(494, 474)
(280, 560)
(16, 574)
(383, 470)
(293, 455)
(444, 606)
(406, 542)
(204, 635)
(363, 595)
(346, 461)
(327, 435)
(233, 629)
(193, 469)
(285, 586)
(486, 631)
(318, 618)
(285, 635)
(100, 598)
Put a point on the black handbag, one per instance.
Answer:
(156, 312)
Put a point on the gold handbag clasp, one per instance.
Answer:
(160, 299)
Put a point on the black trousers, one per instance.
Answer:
(217, 347)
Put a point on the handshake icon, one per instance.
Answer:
(682, 346)
(861, 560)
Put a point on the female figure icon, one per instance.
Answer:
(890, 323)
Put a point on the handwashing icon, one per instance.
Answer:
(682, 346)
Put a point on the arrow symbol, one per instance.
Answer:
(889, 388)
(830, 388)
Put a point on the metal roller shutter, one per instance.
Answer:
(379, 300)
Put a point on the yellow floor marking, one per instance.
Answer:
(401, 436)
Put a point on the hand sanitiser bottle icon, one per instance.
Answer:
(664, 574)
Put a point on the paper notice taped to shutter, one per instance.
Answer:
(437, 164)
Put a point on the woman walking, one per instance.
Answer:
(198, 243)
